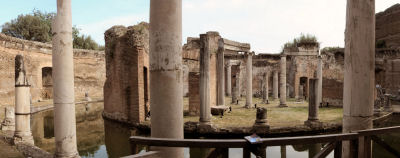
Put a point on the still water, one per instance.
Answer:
(102, 138)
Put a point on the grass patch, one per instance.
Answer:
(295, 114)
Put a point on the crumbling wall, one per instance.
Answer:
(388, 27)
(88, 68)
(126, 92)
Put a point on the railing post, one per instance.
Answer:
(353, 148)
(225, 152)
(134, 149)
(246, 152)
(364, 147)
(338, 150)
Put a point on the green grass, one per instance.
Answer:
(295, 114)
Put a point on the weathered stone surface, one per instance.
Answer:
(89, 69)
(194, 96)
(388, 27)
(8, 123)
(126, 90)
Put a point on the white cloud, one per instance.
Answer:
(265, 24)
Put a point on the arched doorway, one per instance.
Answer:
(47, 83)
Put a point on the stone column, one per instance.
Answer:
(228, 79)
(220, 76)
(319, 76)
(236, 91)
(312, 104)
(283, 82)
(249, 80)
(23, 132)
(265, 88)
(359, 73)
(205, 109)
(275, 86)
(166, 73)
(63, 82)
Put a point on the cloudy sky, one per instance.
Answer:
(265, 24)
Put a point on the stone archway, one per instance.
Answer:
(47, 83)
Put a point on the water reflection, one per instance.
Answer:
(95, 137)
(102, 138)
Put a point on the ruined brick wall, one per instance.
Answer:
(388, 27)
(89, 69)
(190, 61)
(387, 69)
(126, 94)
(333, 76)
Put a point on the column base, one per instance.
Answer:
(23, 139)
(76, 155)
(260, 128)
(247, 106)
(205, 127)
(282, 105)
(313, 123)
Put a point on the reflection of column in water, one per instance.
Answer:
(199, 152)
(313, 150)
(37, 128)
(283, 151)
(117, 139)
(48, 127)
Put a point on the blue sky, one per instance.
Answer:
(265, 24)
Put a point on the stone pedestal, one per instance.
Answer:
(312, 104)
(282, 102)
(359, 73)
(63, 82)
(261, 124)
(275, 85)
(249, 80)
(166, 73)
(228, 75)
(8, 123)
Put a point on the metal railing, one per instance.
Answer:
(360, 143)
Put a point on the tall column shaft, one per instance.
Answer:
(359, 64)
(319, 76)
(22, 104)
(312, 101)
(275, 86)
(220, 77)
(63, 82)
(228, 79)
(205, 110)
(249, 80)
(236, 92)
(166, 72)
(283, 82)
(265, 88)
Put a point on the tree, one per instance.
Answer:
(37, 27)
